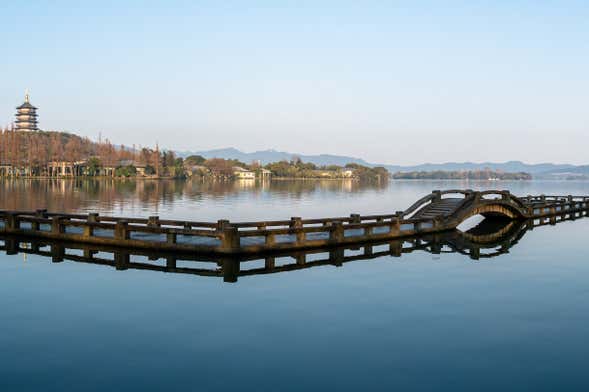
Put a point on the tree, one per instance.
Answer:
(93, 166)
(194, 160)
(220, 167)
(126, 171)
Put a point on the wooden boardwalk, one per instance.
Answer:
(487, 240)
(437, 212)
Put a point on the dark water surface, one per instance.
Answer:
(423, 321)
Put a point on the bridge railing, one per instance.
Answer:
(220, 237)
(434, 196)
(475, 246)
(224, 236)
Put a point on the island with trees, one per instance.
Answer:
(487, 174)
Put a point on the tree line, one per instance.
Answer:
(295, 168)
(24, 153)
(32, 152)
(486, 174)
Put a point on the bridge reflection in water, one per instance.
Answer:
(490, 238)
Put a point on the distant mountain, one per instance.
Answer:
(540, 170)
(511, 166)
(268, 156)
(575, 172)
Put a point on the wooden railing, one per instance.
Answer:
(225, 237)
(230, 267)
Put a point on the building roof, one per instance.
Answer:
(26, 105)
(241, 169)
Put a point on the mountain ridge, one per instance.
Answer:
(539, 170)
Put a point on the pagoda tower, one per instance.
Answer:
(26, 116)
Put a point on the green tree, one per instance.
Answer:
(94, 166)
(194, 160)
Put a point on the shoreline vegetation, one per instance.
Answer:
(47, 154)
(487, 174)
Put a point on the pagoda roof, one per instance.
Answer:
(26, 105)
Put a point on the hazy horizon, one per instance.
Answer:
(400, 83)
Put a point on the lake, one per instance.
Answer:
(420, 322)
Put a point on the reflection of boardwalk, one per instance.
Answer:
(435, 213)
(487, 240)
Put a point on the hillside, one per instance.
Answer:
(541, 170)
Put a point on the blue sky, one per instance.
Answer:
(392, 82)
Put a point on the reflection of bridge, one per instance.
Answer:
(488, 239)
(438, 212)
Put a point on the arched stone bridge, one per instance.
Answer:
(436, 212)
(452, 207)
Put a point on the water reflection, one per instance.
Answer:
(68, 195)
(490, 238)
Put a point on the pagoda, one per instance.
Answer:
(26, 116)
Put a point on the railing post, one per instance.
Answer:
(230, 239)
(56, 226)
(11, 222)
(39, 213)
(296, 224)
(89, 229)
(437, 195)
(122, 230)
(396, 224)
(336, 235)
(505, 195)
(355, 218)
(530, 211)
(270, 239)
(221, 223)
(153, 221)
(171, 238)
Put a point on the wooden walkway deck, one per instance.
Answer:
(488, 240)
(437, 212)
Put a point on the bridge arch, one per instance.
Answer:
(494, 208)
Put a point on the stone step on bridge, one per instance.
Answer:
(437, 212)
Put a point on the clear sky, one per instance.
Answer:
(389, 81)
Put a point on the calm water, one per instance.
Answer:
(423, 322)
